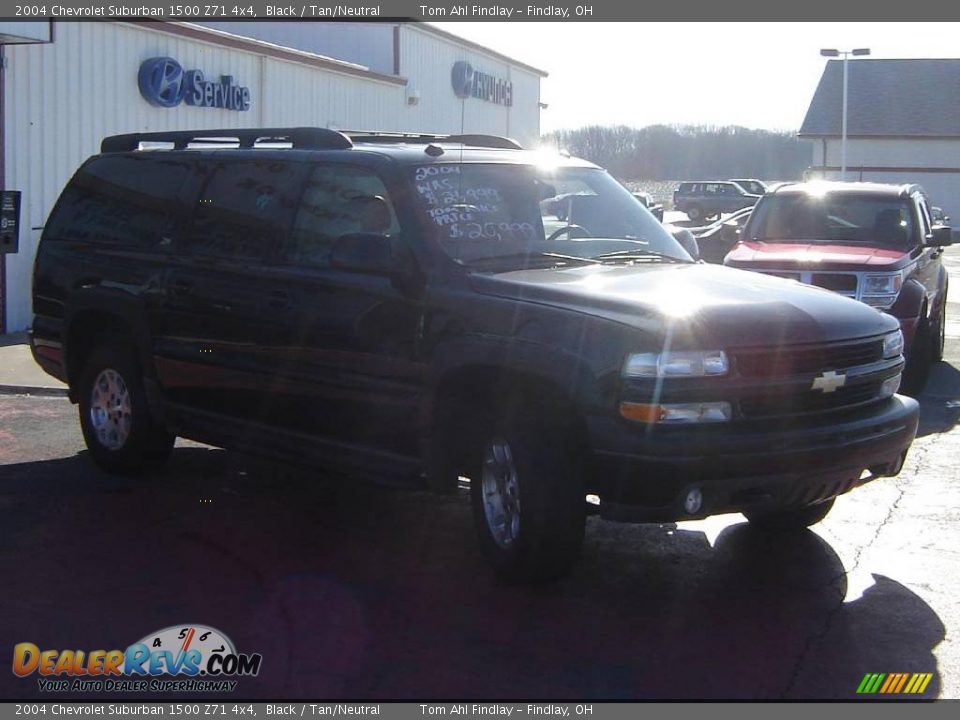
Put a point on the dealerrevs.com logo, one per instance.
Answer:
(196, 657)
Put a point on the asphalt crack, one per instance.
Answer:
(837, 581)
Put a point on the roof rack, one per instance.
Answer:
(300, 138)
(477, 140)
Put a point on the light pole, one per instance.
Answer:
(833, 52)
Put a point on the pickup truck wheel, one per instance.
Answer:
(917, 369)
(527, 497)
(117, 427)
(694, 212)
(789, 520)
(940, 338)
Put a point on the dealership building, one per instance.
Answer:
(66, 85)
(902, 125)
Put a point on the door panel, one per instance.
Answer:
(216, 311)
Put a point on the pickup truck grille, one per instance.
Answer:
(756, 363)
(842, 283)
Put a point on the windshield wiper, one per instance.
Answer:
(634, 254)
(532, 257)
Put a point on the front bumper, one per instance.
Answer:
(644, 473)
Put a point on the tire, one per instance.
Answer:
(917, 370)
(790, 520)
(527, 496)
(940, 337)
(694, 212)
(117, 426)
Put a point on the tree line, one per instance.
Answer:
(687, 152)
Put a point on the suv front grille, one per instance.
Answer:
(788, 376)
(807, 401)
(757, 363)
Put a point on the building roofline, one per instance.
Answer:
(237, 42)
(861, 136)
(476, 46)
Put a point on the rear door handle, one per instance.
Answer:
(279, 299)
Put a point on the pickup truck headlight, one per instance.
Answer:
(881, 290)
(699, 363)
(893, 345)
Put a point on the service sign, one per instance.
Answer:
(9, 220)
(164, 83)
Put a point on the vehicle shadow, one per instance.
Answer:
(376, 594)
(940, 400)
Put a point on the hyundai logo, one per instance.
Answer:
(461, 77)
(161, 82)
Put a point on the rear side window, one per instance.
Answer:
(122, 200)
(244, 209)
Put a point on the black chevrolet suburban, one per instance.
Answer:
(411, 308)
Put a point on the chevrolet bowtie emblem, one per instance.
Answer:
(829, 382)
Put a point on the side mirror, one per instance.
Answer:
(687, 241)
(941, 236)
(363, 252)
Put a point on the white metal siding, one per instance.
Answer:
(427, 60)
(896, 152)
(923, 156)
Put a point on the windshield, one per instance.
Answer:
(833, 218)
(514, 216)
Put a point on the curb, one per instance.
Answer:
(40, 390)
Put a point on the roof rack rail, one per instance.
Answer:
(300, 138)
(477, 140)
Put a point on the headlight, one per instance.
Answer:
(881, 291)
(676, 364)
(893, 345)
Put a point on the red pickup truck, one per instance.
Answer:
(873, 242)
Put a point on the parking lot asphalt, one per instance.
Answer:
(361, 593)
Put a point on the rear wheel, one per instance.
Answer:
(527, 496)
(789, 520)
(117, 426)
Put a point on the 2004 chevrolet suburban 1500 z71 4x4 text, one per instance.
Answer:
(412, 308)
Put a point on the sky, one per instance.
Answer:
(758, 75)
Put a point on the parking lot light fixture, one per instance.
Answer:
(833, 52)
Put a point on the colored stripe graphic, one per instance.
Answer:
(894, 683)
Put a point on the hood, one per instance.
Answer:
(801, 255)
(699, 305)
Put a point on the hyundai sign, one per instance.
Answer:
(468, 82)
(163, 83)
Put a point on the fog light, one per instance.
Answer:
(890, 386)
(694, 501)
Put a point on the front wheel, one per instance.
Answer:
(117, 426)
(917, 370)
(694, 213)
(940, 338)
(789, 520)
(527, 497)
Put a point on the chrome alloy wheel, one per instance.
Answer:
(110, 415)
(501, 493)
